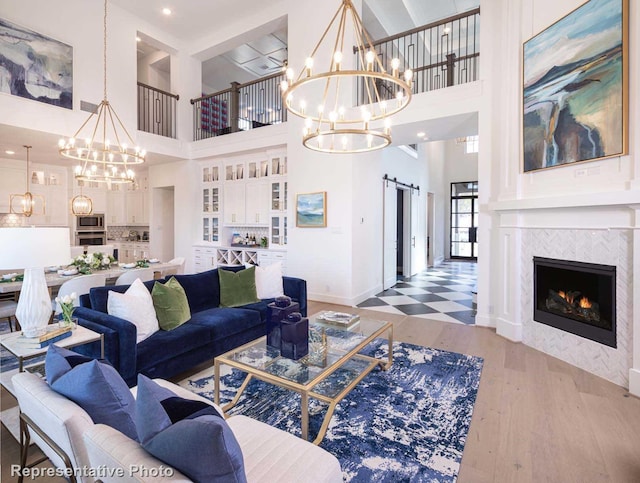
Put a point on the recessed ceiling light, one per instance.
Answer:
(138, 39)
(166, 11)
(8, 151)
(421, 134)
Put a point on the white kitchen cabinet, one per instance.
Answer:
(126, 253)
(279, 194)
(267, 257)
(116, 211)
(257, 203)
(279, 230)
(12, 181)
(204, 258)
(234, 203)
(278, 165)
(50, 182)
(136, 208)
(211, 229)
(140, 251)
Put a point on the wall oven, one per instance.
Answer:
(94, 222)
(91, 238)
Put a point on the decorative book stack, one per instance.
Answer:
(53, 334)
(340, 319)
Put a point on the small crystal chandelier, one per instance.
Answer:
(104, 154)
(331, 126)
(27, 204)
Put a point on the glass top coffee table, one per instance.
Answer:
(331, 348)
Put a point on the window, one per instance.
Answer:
(471, 145)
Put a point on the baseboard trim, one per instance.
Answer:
(366, 294)
(509, 330)
(634, 381)
(485, 321)
(330, 299)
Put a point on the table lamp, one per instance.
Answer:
(32, 249)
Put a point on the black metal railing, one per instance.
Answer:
(156, 111)
(441, 54)
(240, 108)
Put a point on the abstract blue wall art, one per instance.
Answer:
(35, 66)
(575, 100)
(311, 210)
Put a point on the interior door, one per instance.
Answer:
(390, 235)
(414, 207)
(464, 220)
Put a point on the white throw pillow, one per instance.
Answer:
(135, 306)
(269, 281)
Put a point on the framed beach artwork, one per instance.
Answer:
(575, 93)
(311, 210)
(34, 66)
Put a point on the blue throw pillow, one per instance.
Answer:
(59, 361)
(94, 386)
(189, 435)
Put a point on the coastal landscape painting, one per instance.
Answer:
(311, 210)
(34, 66)
(575, 92)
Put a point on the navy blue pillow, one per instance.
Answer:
(93, 385)
(189, 435)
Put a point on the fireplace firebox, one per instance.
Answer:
(576, 297)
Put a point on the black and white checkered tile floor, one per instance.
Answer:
(444, 293)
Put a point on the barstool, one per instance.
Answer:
(8, 311)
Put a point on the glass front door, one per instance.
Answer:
(464, 220)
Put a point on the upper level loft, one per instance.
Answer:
(440, 54)
(186, 86)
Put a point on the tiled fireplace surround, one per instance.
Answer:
(603, 235)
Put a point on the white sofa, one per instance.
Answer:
(270, 454)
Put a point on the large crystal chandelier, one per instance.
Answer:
(323, 99)
(102, 145)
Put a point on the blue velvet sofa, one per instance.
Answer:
(212, 330)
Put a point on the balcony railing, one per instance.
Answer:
(240, 108)
(441, 54)
(156, 111)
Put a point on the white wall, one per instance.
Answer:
(578, 212)
(182, 176)
(150, 74)
(459, 166)
(398, 164)
(435, 155)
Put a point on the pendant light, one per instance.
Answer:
(27, 204)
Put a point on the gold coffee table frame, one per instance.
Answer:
(306, 390)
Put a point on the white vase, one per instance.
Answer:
(34, 305)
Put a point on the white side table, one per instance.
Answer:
(79, 336)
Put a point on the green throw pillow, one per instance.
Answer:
(171, 304)
(238, 288)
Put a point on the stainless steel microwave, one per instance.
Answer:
(90, 222)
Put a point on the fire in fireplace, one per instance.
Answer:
(576, 297)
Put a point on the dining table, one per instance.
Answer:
(55, 279)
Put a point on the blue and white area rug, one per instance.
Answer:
(406, 424)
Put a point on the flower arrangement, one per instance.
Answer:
(92, 261)
(66, 304)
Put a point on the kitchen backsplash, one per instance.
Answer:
(11, 221)
(126, 233)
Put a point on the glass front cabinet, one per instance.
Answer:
(278, 226)
(211, 206)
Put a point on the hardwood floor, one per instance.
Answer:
(536, 418)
